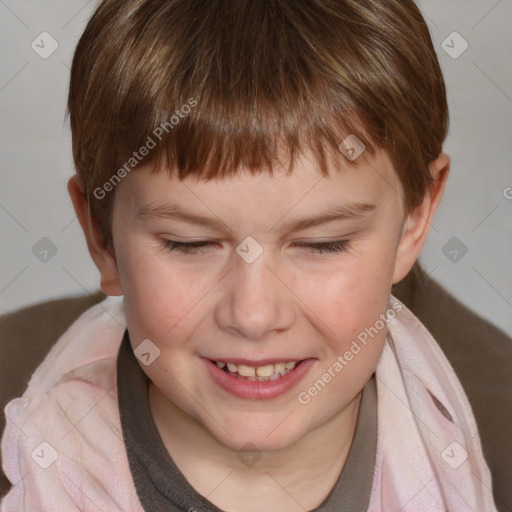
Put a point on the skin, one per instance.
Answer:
(291, 302)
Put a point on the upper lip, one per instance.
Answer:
(260, 362)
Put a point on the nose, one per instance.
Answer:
(255, 300)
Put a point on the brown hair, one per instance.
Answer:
(255, 76)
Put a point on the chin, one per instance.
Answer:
(247, 438)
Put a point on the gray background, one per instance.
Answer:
(36, 156)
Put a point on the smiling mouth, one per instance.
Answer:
(268, 372)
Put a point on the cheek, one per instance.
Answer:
(349, 295)
(162, 301)
(148, 288)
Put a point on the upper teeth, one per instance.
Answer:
(260, 371)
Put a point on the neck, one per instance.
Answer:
(296, 478)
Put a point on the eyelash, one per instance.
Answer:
(191, 247)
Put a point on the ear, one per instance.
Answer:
(103, 256)
(417, 225)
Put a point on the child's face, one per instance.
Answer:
(289, 304)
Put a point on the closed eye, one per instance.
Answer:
(201, 246)
(325, 247)
(186, 247)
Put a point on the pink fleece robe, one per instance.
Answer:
(63, 448)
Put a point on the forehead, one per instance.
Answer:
(281, 204)
(371, 181)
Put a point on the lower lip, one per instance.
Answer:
(258, 390)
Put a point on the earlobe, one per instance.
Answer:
(104, 258)
(418, 223)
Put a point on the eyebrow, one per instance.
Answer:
(329, 214)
